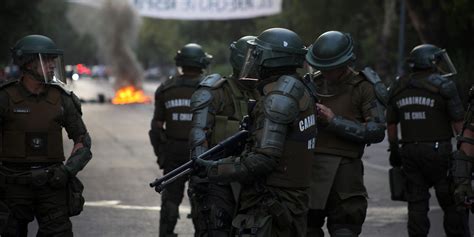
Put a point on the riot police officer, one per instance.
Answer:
(350, 115)
(426, 104)
(218, 107)
(33, 111)
(171, 124)
(463, 160)
(275, 168)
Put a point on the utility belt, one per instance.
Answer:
(435, 144)
(39, 175)
(36, 174)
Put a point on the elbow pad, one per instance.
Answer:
(372, 132)
(78, 160)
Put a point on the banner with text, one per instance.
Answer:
(197, 9)
(206, 9)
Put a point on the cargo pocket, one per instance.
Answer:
(75, 198)
(252, 225)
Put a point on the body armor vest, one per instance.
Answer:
(227, 121)
(32, 130)
(342, 104)
(422, 114)
(294, 166)
(177, 97)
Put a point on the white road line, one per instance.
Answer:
(115, 204)
(375, 214)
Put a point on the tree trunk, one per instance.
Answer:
(384, 63)
(427, 19)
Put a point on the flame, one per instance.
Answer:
(130, 95)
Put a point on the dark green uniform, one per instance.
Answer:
(32, 153)
(337, 186)
(275, 168)
(217, 116)
(425, 104)
(172, 110)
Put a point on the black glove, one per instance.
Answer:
(202, 167)
(394, 159)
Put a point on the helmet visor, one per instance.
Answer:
(52, 68)
(444, 64)
(250, 65)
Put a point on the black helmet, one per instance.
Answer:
(192, 55)
(428, 56)
(238, 50)
(279, 47)
(46, 58)
(423, 56)
(27, 49)
(332, 49)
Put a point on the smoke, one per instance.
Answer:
(114, 25)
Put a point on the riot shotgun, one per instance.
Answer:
(216, 152)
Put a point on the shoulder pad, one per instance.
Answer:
(289, 86)
(61, 86)
(393, 87)
(213, 81)
(201, 98)
(8, 83)
(447, 88)
(280, 108)
(381, 91)
(371, 75)
(76, 101)
(437, 80)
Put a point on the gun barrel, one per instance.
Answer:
(165, 183)
(186, 168)
(172, 173)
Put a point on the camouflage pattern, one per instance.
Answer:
(214, 203)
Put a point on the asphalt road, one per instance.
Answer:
(120, 203)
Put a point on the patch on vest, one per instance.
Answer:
(182, 117)
(177, 103)
(307, 122)
(414, 115)
(20, 110)
(36, 144)
(416, 100)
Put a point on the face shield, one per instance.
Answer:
(249, 70)
(51, 68)
(443, 63)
